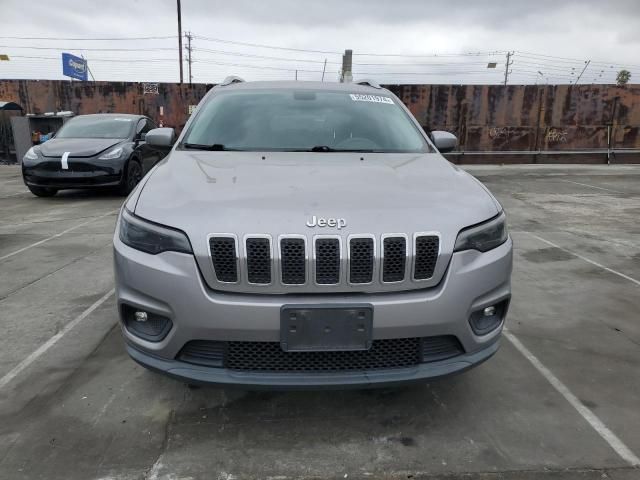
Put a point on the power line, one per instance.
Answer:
(90, 39)
(434, 55)
(265, 57)
(90, 49)
(259, 45)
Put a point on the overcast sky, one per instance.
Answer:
(393, 41)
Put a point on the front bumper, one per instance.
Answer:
(170, 284)
(82, 173)
(198, 374)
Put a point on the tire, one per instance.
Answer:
(133, 175)
(42, 191)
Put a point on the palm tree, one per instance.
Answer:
(623, 77)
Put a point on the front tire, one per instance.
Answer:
(42, 191)
(131, 178)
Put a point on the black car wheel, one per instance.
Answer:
(132, 177)
(42, 191)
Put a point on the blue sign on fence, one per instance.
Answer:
(74, 67)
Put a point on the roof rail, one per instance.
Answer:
(370, 83)
(231, 79)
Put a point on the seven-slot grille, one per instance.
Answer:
(324, 259)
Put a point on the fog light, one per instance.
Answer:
(488, 312)
(146, 325)
(488, 318)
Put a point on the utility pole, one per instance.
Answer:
(508, 63)
(347, 63)
(189, 36)
(586, 64)
(180, 39)
(323, 69)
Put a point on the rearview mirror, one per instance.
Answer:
(444, 141)
(161, 137)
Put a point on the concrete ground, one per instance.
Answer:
(561, 399)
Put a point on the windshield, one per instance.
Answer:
(96, 127)
(303, 120)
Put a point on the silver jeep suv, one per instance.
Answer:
(309, 235)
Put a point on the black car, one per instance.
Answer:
(102, 150)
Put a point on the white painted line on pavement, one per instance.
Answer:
(588, 260)
(592, 186)
(614, 442)
(52, 341)
(57, 235)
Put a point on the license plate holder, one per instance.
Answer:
(309, 328)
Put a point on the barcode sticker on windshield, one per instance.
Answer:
(358, 97)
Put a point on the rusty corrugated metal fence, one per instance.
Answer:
(486, 118)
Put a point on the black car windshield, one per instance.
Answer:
(303, 120)
(96, 127)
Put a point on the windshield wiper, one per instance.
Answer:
(325, 148)
(216, 147)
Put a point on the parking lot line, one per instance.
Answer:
(52, 341)
(581, 257)
(593, 186)
(614, 442)
(111, 212)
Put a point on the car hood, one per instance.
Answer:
(77, 147)
(278, 193)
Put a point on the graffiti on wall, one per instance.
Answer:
(556, 135)
(496, 133)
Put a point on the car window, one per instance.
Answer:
(96, 127)
(301, 120)
(145, 125)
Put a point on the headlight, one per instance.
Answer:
(111, 154)
(485, 236)
(32, 154)
(151, 237)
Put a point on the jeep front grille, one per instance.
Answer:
(374, 263)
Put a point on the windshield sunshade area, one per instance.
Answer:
(96, 127)
(304, 120)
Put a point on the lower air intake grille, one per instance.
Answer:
(327, 261)
(225, 260)
(293, 261)
(426, 256)
(440, 348)
(361, 260)
(268, 356)
(395, 259)
(203, 352)
(258, 260)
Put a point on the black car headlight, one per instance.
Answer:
(485, 236)
(151, 237)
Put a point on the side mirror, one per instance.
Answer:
(444, 141)
(161, 137)
(141, 137)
